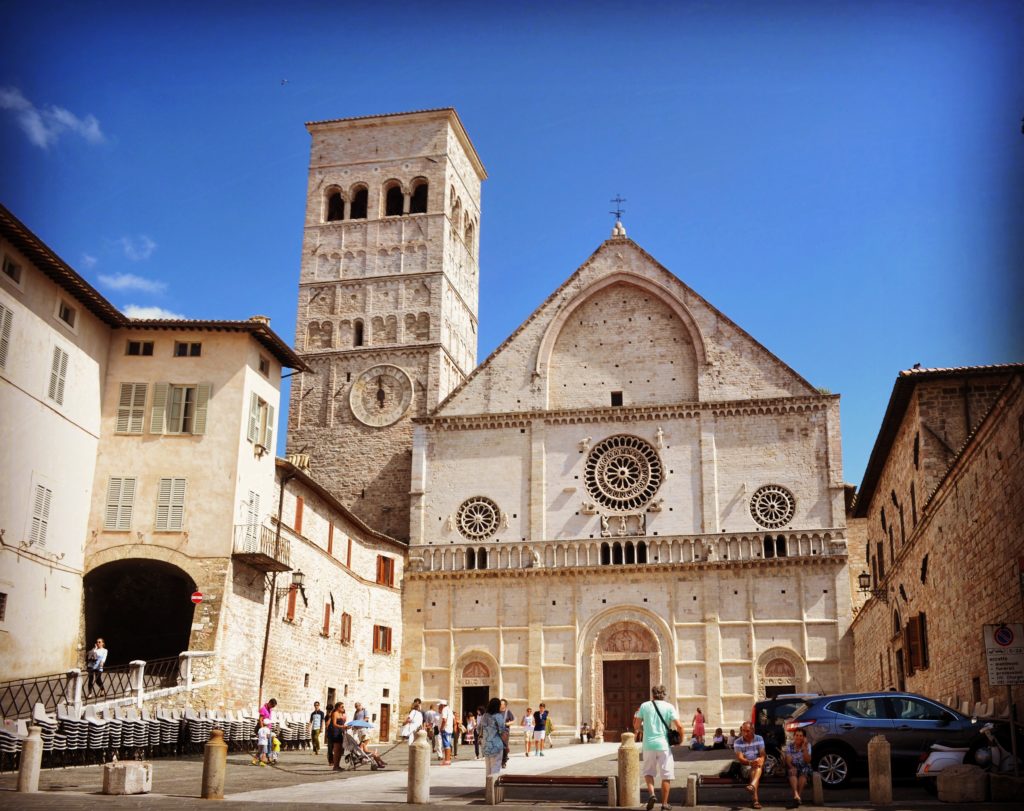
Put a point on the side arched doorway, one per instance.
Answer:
(141, 608)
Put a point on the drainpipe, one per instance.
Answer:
(273, 586)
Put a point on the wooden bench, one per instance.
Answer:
(495, 793)
(696, 780)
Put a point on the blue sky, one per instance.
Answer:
(843, 180)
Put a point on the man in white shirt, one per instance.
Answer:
(447, 725)
(432, 720)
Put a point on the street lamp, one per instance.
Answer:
(298, 584)
(864, 584)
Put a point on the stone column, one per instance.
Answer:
(215, 765)
(537, 527)
(708, 474)
(629, 771)
(31, 761)
(418, 791)
(879, 771)
(185, 670)
(136, 676)
(73, 690)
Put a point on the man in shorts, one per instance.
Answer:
(750, 754)
(654, 719)
(446, 727)
(540, 725)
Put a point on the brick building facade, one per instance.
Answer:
(942, 503)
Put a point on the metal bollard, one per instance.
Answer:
(629, 771)
(31, 761)
(418, 791)
(879, 771)
(215, 765)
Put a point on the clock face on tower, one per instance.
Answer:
(381, 395)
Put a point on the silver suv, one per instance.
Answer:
(840, 726)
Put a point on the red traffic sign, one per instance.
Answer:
(197, 597)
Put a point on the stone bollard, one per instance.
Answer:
(31, 760)
(962, 783)
(613, 791)
(629, 771)
(127, 777)
(691, 791)
(418, 791)
(817, 789)
(215, 766)
(879, 771)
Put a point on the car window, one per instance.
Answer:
(913, 709)
(858, 708)
(783, 711)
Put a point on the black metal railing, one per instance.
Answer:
(18, 697)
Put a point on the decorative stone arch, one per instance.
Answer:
(475, 667)
(597, 640)
(780, 667)
(663, 293)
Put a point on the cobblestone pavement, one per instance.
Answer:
(305, 781)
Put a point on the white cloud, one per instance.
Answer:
(137, 249)
(137, 311)
(44, 125)
(129, 281)
(89, 261)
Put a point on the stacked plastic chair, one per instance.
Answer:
(75, 729)
(47, 726)
(152, 729)
(168, 730)
(116, 727)
(98, 735)
(12, 733)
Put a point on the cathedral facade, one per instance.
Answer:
(630, 490)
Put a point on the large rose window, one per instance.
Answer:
(772, 506)
(478, 518)
(623, 472)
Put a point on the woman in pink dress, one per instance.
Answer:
(698, 726)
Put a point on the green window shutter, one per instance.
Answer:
(254, 418)
(113, 502)
(6, 318)
(177, 514)
(202, 402)
(163, 504)
(157, 417)
(268, 439)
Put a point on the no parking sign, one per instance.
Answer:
(1004, 652)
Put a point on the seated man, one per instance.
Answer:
(750, 755)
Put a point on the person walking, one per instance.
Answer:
(653, 719)
(316, 723)
(494, 736)
(510, 719)
(540, 725)
(527, 724)
(336, 734)
(698, 727)
(95, 659)
(413, 722)
(446, 726)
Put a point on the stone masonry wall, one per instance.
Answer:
(959, 567)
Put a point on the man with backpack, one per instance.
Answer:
(659, 724)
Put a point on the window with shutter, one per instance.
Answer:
(381, 639)
(131, 408)
(170, 505)
(120, 504)
(40, 516)
(202, 405)
(299, 506)
(157, 416)
(292, 593)
(923, 630)
(268, 432)
(252, 524)
(6, 321)
(253, 434)
(912, 645)
(327, 620)
(385, 570)
(330, 539)
(346, 628)
(58, 375)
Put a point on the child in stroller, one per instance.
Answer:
(355, 754)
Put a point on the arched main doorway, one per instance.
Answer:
(141, 608)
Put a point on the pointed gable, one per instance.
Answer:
(623, 324)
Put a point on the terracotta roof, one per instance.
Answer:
(450, 112)
(40, 254)
(259, 329)
(902, 390)
(325, 494)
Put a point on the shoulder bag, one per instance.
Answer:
(674, 738)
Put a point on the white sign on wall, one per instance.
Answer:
(1004, 652)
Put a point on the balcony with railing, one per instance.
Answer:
(262, 548)
(627, 551)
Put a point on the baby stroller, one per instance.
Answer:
(355, 757)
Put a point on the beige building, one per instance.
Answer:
(54, 334)
(942, 503)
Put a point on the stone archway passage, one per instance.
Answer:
(141, 608)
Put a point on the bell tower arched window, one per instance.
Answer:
(359, 205)
(335, 206)
(418, 204)
(357, 333)
(393, 201)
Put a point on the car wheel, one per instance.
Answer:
(834, 768)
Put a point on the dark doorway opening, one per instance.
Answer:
(385, 722)
(142, 609)
(627, 685)
(473, 697)
(770, 691)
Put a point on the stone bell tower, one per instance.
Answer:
(387, 310)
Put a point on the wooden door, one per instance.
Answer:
(627, 685)
(385, 722)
